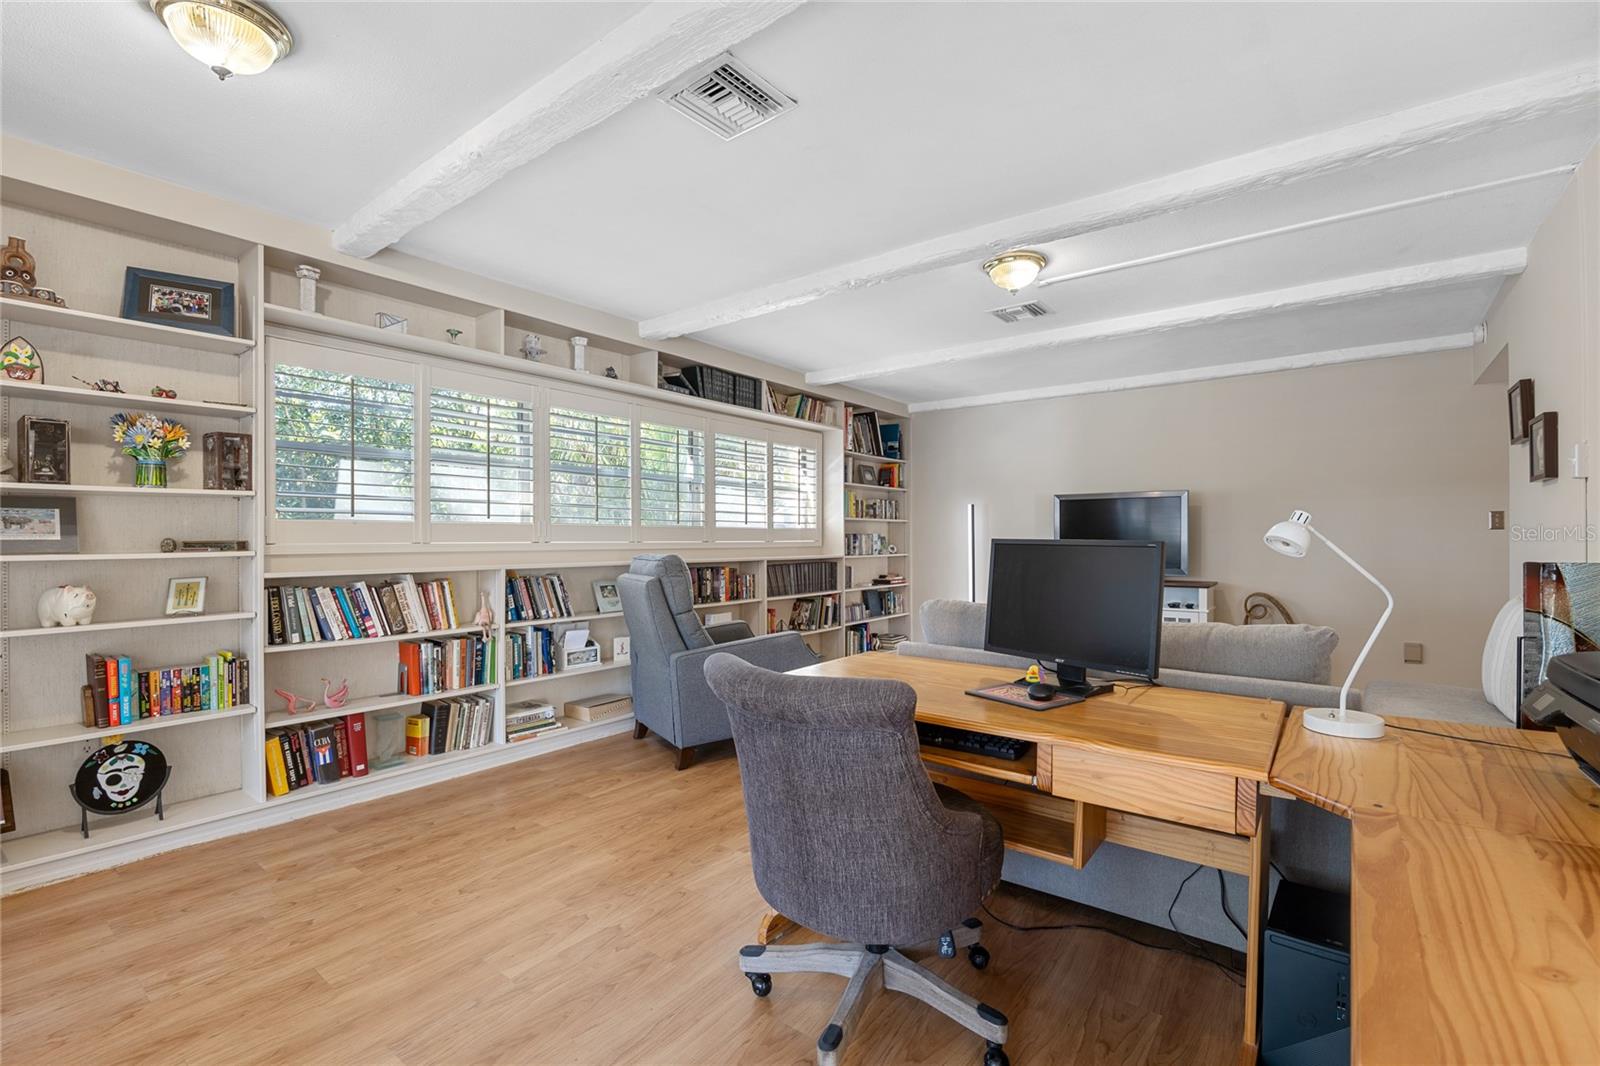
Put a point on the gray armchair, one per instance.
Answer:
(849, 838)
(670, 647)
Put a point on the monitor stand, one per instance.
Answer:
(1074, 681)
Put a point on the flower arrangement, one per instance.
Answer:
(151, 441)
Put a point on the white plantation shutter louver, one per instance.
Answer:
(740, 491)
(591, 468)
(794, 486)
(672, 476)
(342, 446)
(480, 458)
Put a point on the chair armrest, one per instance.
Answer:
(702, 717)
(726, 632)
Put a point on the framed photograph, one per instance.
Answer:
(39, 525)
(1519, 407)
(606, 597)
(866, 474)
(1543, 444)
(186, 595)
(44, 450)
(226, 461)
(177, 300)
(621, 650)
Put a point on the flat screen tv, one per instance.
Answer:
(1160, 516)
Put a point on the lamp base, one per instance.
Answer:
(1353, 725)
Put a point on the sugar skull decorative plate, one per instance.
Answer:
(120, 777)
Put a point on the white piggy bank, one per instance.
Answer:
(66, 605)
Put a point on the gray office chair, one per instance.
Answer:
(850, 838)
(669, 649)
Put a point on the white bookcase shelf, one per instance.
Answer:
(358, 642)
(370, 705)
(132, 623)
(128, 329)
(28, 488)
(72, 394)
(126, 557)
(50, 736)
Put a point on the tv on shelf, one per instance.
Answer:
(1145, 516)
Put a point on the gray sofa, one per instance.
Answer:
(1289, 663)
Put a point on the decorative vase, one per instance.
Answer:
(150, 474)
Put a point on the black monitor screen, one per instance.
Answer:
(1094, 604)
(1162, 516)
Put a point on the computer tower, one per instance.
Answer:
(1305, 979)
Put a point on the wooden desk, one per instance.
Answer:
(1170, 771)
(1475, 891)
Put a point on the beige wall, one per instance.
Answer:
(1397, 460)
(1547, 321)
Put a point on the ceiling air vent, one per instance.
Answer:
(1019, 312)
(726, 97)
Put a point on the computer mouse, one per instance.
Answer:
(1041, 691)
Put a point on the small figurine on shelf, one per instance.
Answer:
(150, 442)
(66, 605)
(387, 321)
(335, 697)
(580, 353)
(22, 361)
(455, 335)
(293, 704)
(161, 392)
(308, 276)
(532, 348)
(100, 384)
(611, 372)
(17, 278)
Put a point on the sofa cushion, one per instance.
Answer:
(1293, 693)
(958, 623)
(1442, 703)
(954, 653)
(1279, 652)
(1500, 659)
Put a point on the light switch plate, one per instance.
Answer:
(1413, 651)
(1497, 520)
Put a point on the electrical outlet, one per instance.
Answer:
(1413, 651)
(1497, 520)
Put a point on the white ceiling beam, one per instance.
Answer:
(1447, 342)
(1317, 294)
(1567, 90)
(641, 55)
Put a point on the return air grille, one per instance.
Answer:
(1020, 312)
(726, 97)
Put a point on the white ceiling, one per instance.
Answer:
(914, 121)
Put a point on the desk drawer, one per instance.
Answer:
(1143, 786)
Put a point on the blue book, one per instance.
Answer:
(125, 706)
(350, 618)
(205, 687)
(322, 622)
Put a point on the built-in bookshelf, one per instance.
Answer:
(222, 774)
(875, 572)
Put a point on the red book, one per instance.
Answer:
(341, 747)
(356, 743)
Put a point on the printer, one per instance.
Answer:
(1568, 701)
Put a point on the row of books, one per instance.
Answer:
(721, 584)
(529, 720)
(864, 433)
(887, 476)
(868, 544)
(875, 603)
(857, 641)
(117, 694)
(537, 596)
(441, 665)
(856, 506)
(316, 753)
(798, 579)
(443, 726)
(314, 614)
(799, 405)
(805, 615)
(530, 653)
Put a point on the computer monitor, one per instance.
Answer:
(1081, 604)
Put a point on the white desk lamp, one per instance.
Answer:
(1291, 538)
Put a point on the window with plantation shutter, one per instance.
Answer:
(794, 486)
(342, 446)
(591, 466)
(480, 457)
(740, 488)
(672, 476)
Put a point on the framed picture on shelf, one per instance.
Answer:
(1543, 444)
(186, 595)
(866, 474)
(606, 597)
(39, 525)
(177, 300)
(44, 450)
(226, 461)
(1519, 407)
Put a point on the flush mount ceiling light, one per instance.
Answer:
(1014, 270)
(229, 36)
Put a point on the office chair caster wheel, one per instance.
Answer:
(995, 1055)
(978, 955)
(760, 984)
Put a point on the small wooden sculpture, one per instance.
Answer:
(17, 275)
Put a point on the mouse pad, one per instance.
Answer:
(1017, 695)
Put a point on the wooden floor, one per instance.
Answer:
(584, 907)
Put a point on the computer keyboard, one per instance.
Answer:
(966, 740)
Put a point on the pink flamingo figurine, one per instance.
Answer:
(335, 697)
(293, 704)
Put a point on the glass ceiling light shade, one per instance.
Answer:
(1014, 270)
(229, 36)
